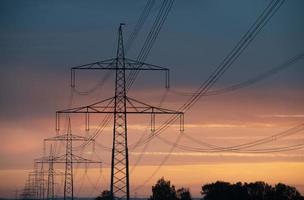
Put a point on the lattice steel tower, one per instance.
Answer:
(120, 106)
(120, 158)
(68, 159)
(50, 180)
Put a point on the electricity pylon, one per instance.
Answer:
(120, 106)
(34, 185)
(51, 173)
(69, 158)
(28, 191)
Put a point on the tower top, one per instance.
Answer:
(120, 46)
(69, 130)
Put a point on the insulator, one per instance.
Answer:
(152, 121)
(44, 147)
(87, 121)
(181, 123)
(73, 78)
(167, 79)
(57, 122)
(93, 147)
(86, 168)
(100, 168)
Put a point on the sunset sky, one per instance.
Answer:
(41, 40)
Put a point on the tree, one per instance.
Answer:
(163, 190)
(217, 191)
(252, 191)
(259, 190)
(285, 192)
(105, 195)
(183, 194)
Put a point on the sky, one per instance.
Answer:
(41, 40)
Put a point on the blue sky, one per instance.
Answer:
(45, 38)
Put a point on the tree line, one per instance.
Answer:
(164, 190)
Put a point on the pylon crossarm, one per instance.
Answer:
(98, 65)
(137, 65)
(80, 159)
(75, 159)
(64, 137)
(46, 172)
(62, 159)
(133, 106)
(105, 64)
(143, 108)
(109, 64)
(48, 159)
(42, 160)
(100, 104)
(152, 110)
(98, 107)
(141, 66)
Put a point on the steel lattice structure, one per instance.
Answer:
(69, 158)
(120, 106)
(51, 173)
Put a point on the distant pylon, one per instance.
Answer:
(41, 183)
(51, 173)
(50, 180)
(68, 159)
(68, 177)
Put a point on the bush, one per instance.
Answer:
(252, 191)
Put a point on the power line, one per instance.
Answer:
(142, 137)
(257, 151)
(260, 77)
(253, 31)
(236, 148)
(262, 20)
(162, 15)
(98, 85)
(167, 156)
(139, 24)
(253, 80)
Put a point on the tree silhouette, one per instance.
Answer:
(252, 191)
(183, 194)
(105, 195)
(216, 191)
(285, 192)
(259, 190)
(163, 190)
